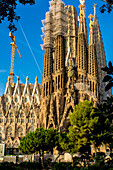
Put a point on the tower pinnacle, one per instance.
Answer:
(91, 29)
(94, 6)
(82, 2)
(84, 7)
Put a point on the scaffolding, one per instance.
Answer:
(85, 87)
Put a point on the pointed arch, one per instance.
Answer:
(9, 130)
(65, 122)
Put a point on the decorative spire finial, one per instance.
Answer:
(82, 2)
(91, 22)
(27, 78)
(91, 29)
(81, 10)
(18, 79)
(84, 7)
(94, 6)
(36, 79)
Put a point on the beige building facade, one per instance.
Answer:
(19, 112)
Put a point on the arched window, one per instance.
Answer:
(19, 132)
(15, 144)
(10, 115)
(9, 131)
(32, 115)
(8, 144)
(7, 99)
(21, 115)
(36, 92)
(31, 129)
(25, 99)
(20, 129)
(16, 99)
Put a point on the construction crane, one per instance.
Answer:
(13, 56)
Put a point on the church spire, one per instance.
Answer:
(82, 23)
(91, 29)
(84, 7)
(81, 28)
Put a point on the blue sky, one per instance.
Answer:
(32, 57)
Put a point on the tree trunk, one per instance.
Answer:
(95, 150)
(42, 158)
(72, 158)
(33, 157)
(39, 156)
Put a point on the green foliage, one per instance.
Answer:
(62, 166)
(27, 143)
(106, 109)
(109, 77)
(88, 125)
(108, 6)
(7, 10)
(64, 142)
(41, 140)
(82, 126)
(30, 165)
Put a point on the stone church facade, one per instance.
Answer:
(71, 73)
(19, 112)
(72, 65)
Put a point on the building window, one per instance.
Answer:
(18, 120)
(31, 115)
(25, 99)
(16, 100)
(20, 129)
(10, 115)
(9, 130)
(0, 115)
(33, 120)
(7, 120)
(31, 129)
(16, 91)
(22, 120)
(21, 115)
(1, 120)
(35, 91)
(7, 99)
(11, 120)
(9, 143)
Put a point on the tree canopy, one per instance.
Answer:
(89, 125)
(108, 6)
(82, 125)
(7, 10)
(40, 140)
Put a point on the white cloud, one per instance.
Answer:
(3, 71)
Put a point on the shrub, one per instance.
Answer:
(59, 166)
(31, 165)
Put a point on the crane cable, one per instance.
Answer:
(29, 47)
